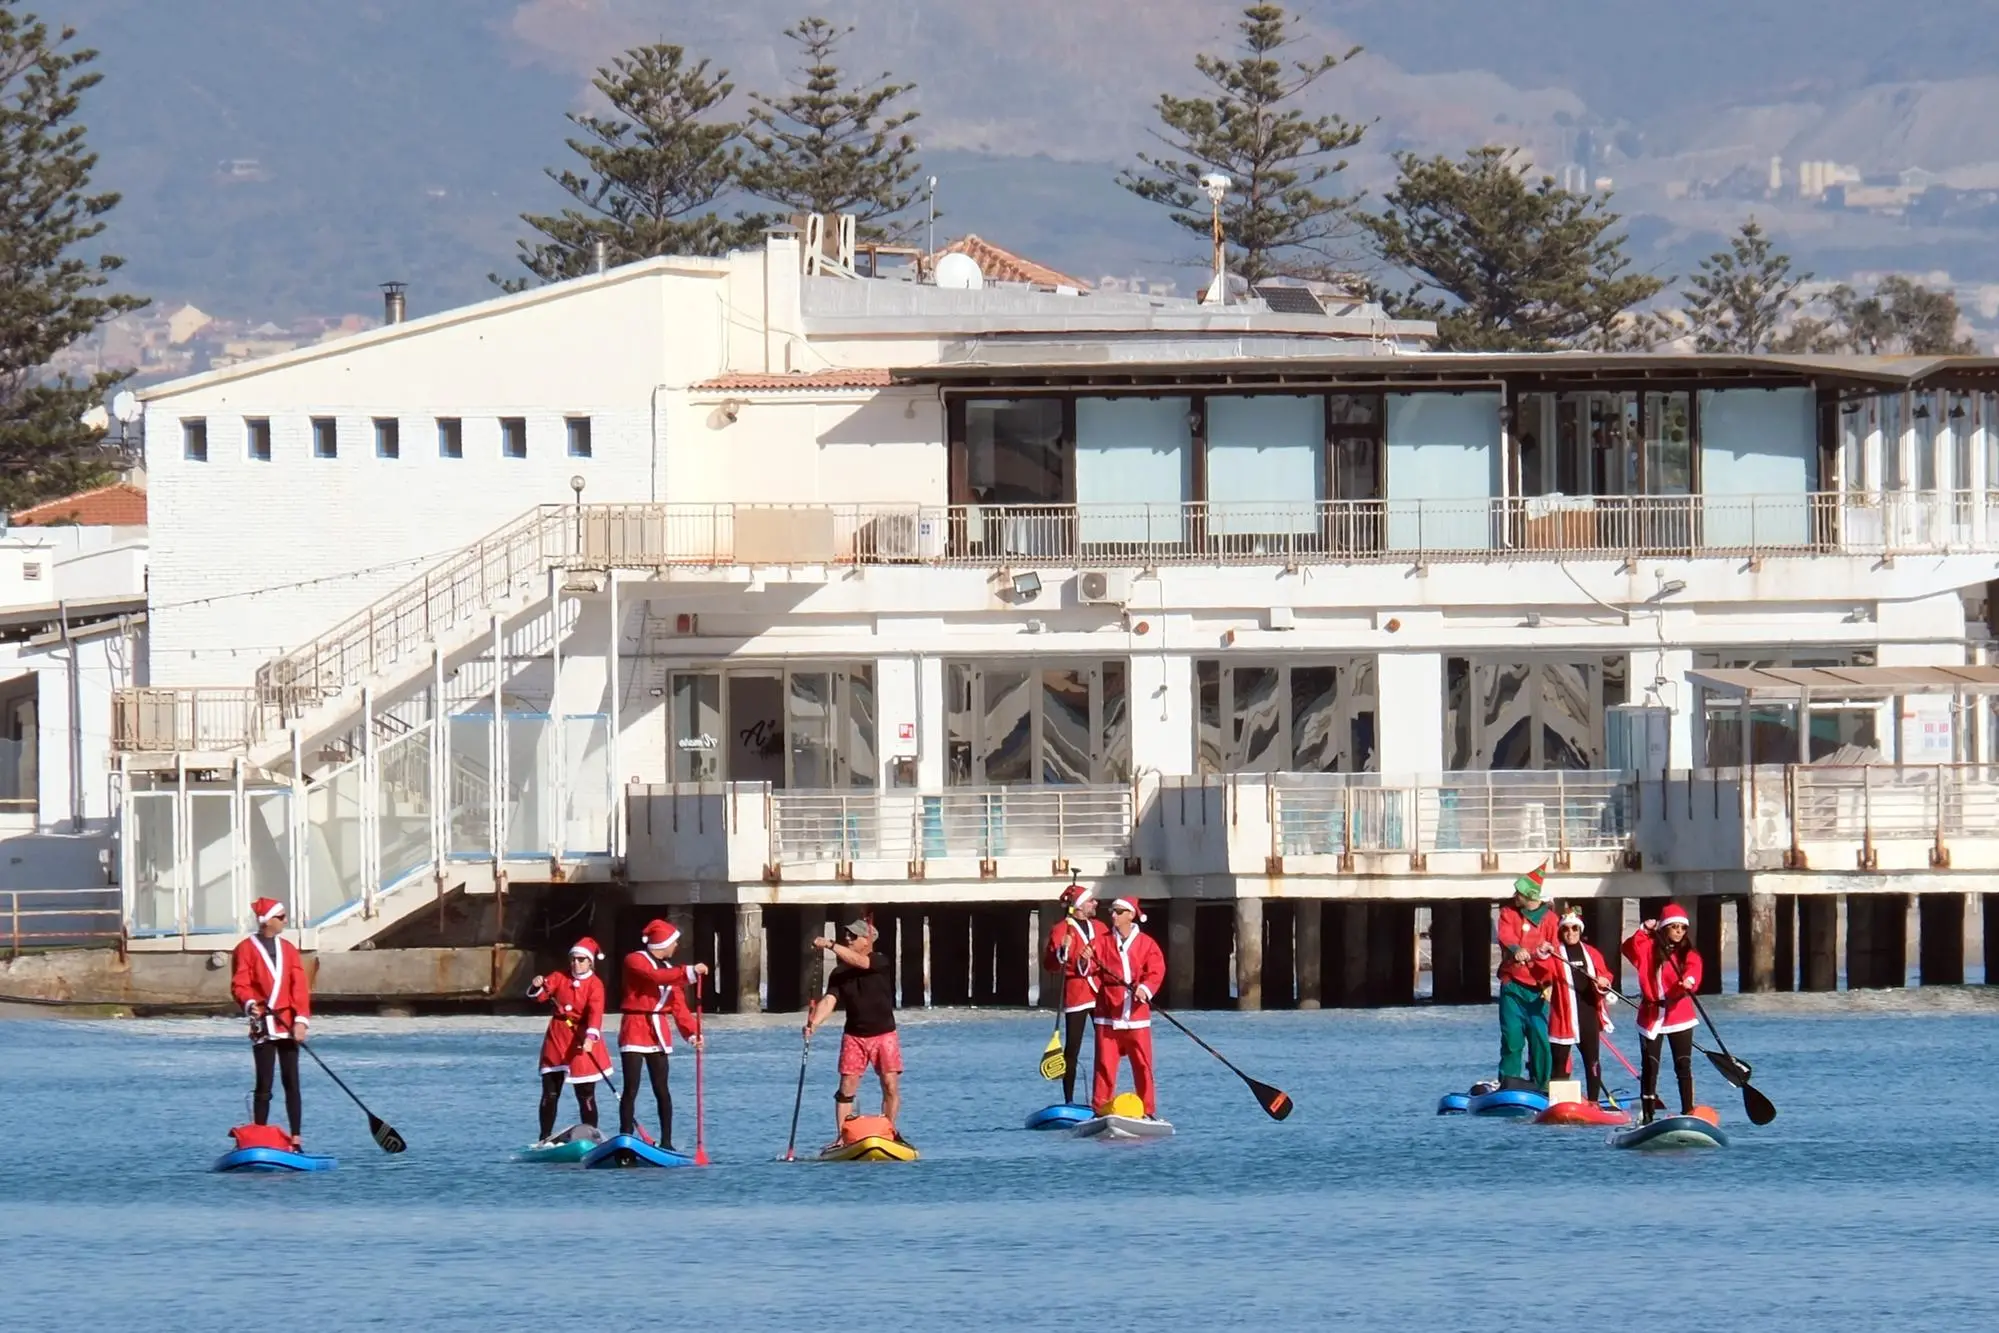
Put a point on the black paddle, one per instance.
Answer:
(791, 1144)
(381, 1131)
(1759, 1109)
(1276, 1102)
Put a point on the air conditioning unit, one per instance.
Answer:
(1103, 587)
(905, 537)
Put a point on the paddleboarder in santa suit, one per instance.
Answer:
(1669, 973)
(1128, 969)
(1578, 1004)
(1526, 932)
(267, 978)
(572, 1050)
(1070, 944)
(862, 984)
(653, 988)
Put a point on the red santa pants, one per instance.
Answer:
(1133, 1044)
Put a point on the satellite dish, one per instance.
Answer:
(960, 272)
(125, 406)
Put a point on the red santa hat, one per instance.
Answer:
(1127, 905)
(585, 948)
(266, 908)
(1076, 895)
(659, 934)
(1674, 915)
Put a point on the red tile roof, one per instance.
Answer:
(749, 382)
(119, 505)
(1005, 266)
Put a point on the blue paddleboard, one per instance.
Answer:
(1515, 1103)
(630, 1150)
(272, 1159)
(1062, 1115)
(1673, 1131)
(1454, 1103)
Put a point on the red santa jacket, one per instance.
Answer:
(1119, 966)
(575, 1038)
(1516, 931)
(653, 988)
(1570, 990)
(284, 991)
(1069, 948)
(1666, 980)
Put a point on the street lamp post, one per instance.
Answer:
(576, 485)
(1217, 186)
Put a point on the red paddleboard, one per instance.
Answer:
(1580, 1113)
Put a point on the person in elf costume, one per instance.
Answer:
(1527, 938)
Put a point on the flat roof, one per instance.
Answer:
(1796, 683)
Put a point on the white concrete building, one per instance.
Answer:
(740, 585)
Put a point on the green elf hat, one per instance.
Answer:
(1528, 886)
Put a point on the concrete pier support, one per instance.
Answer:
(1249, 953)
(1280, 956)
(1784, 942)
(783, 947)
(1877, 941)
(1707, 938)
(1603, 926)
(1818, 919)
(1757, 940)
(1309, 943)
(914, 963)
(1180, 917)
(985, 946)
(749, 959)
(1350, 940)
(888, 939)
(1941, 945)
(950, 956)
(1051, 981)
(1480, 960)
(1447, 947)
(1013, 928)
(1214, 941)
(1391, 962)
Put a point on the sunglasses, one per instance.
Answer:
(1121, 911)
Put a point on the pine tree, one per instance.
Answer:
(1900, 316)
(50, 296)
(1503, 265)
(1276, 219)
(1742, 298)
(651, 172)
(828, 147)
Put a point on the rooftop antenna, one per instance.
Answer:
(930, 233)
(1217, 186)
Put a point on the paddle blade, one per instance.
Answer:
(1054, 1063)
(1730, 1068)
(1276, 1102)
(1757, 1106)
(385, 1136)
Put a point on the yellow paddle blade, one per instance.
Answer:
(1053, 1063)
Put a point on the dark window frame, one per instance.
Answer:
(513, 437)
(577, 431)
(326, 437)
(388, 437)
(194, 439)
(451, 437)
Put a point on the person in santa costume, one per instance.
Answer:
(1526, 932)
(1070, 945)
(653, 988)
(267, 978)
(572, 1051)
(1128, 969)
(1669, 972)
(1578, 1003)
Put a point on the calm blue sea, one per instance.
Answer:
(1872, 1202)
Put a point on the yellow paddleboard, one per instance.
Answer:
(873, 1148)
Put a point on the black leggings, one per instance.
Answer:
(280, 1057)
(1589, 1041)
(551, 1099)
(1073, 1027)
(1683, 1066)
(653, 1063)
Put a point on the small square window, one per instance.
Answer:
(325, 437)
(257, 438)
(194, 439)
(388, 437)
(450, 437)
(579, 436)
(514, 437)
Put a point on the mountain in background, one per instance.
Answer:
(281, 157)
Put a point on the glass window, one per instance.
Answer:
(1134, 470)
(450, 437)
(1533, 436)
(808, 726)
(961, 725)
(1060, 724)
(1537, 715)
(1669, 450)
(1014, 452)
(578, 429)
(1210, 756)
(257, 438)
(1065, 726)
(514, 437)
(325, 437)
(697, 727)
(1114, 728)
(1856, 419)
(1894, 424)
(388, 437)
(1311, 717)
(1266, 464)
(1006, 726)
(863, 766)
(194, 439)
(1257, 720)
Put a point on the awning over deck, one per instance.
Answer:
(1794, 684)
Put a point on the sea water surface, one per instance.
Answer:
(1871, 1202)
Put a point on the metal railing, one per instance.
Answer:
(1880, 802)
(1333, 814)
(972, 823)
(168, 720)
(61, 918)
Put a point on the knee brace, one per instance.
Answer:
(842, 1099)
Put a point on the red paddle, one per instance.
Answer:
(700, 1143)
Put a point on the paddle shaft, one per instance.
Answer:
(798, 1102)
(1275, 1102)
(700, 1142)
(385, 1135)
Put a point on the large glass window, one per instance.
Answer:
(1134, 470)
(1052, 724)
(1833, 725)
(1015, 453)
(1536, 714)
(811, 727)
(1266, 464)
(20, 772)
(1303, 717)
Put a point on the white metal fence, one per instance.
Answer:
(972, 823)
(1335, 814)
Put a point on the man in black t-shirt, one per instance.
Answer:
(863, 985)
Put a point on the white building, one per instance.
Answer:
(873, 591)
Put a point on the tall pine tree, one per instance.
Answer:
(651, 171)
(50, 294)
(832, 147)
(1742, 299)
(1280, 217)
(1504, 265)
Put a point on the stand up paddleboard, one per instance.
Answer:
(868, 1138)
(1124, 1127)
(1514, 1103)
(570, 1145)
(627, 1150)
(272, 1159)
(1702, 1129)
(1454, 1103)
(1581, 1113)
(1062, 1115)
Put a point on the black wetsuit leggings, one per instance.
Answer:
(653, 1064)
(1073, 1027)
(1683, 1066)
(551, 1099)
(1589, 1034)
(281, 1058)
